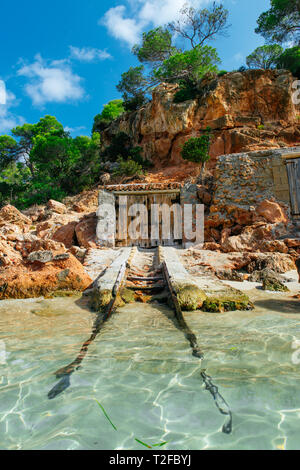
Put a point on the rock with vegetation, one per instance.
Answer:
(228, 301)
(127, 295)
(189, 296)
(270, 280)
(162, 127)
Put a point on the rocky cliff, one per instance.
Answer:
(251, 110)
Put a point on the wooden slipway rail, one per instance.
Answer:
(133, 270)
(65, 372)
(220, 402)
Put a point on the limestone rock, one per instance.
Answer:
(276, 262)
(8, 255)
(29, 280)
(272, 212)
(56, 206)
(35, 213)
(32, 243)
(41, 256)
(10, 214)
(86, 232)
(65, 234)
(233, 106)
(85, 202)
(204, 196)
(61, 257)
(270, 280)
(79, 253)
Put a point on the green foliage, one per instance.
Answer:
(87, 167)
(281, 23)
(8, 151)
(128, 168)
(44, 162)
(26, 133)
(290, 60)
(156, 47)
(132, 85)
(188, 67)
(40, 190)
(168, 63)
(66, 160)
(13, 183)
(196, 149)
(134, 102)
(200, 26)
(260, 127)
(264, 57)
(110, 112)
(222, 73)
(121, 147)
(185, 93)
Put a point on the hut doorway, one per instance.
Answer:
(154, 211)
(293, 170)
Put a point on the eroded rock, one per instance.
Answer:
(41, 256)
(56, 206)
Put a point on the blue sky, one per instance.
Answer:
(65, 57)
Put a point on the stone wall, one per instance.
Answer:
(250, 207)
(246, 179)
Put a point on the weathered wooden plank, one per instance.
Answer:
(293, 170)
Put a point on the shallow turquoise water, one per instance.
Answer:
(140, 368)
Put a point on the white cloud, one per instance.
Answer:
(8, 120)
(51, 82)
(88, 54)
(127, 23)
(2, 92)
(126, 29)
(160, 12)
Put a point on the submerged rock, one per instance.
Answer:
(127, 295)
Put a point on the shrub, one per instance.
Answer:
(196, 149)
(127, 168)
(184, 94)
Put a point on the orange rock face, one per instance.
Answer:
(8, 256)
(272, 212)
(9, 214)
(86, 232)
(34, 280)
(251, 110)
(65, 234)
